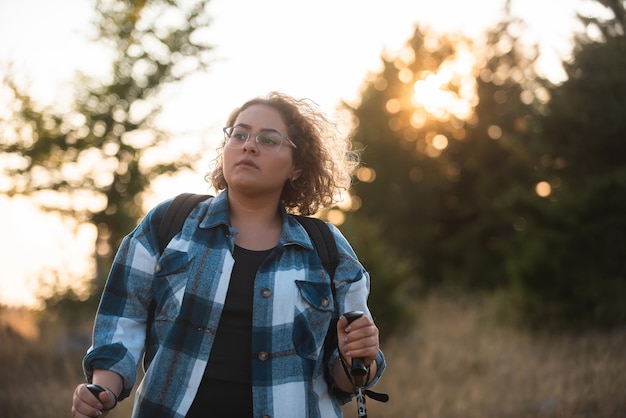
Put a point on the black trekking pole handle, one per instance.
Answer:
(358, 372)
(358, 369)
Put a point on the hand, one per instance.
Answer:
(358, 339)
(86, 405)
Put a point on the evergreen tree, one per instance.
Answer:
(440, 181)
(569, 267)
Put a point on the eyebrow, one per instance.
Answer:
(248, 127)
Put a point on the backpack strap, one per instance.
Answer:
(175, 216)
(324, 243)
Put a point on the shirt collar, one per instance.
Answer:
(217, 213)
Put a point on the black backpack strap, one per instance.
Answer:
(324, 242)
(175, 216)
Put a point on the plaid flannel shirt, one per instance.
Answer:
(166, 308)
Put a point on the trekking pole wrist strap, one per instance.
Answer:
(380, 397)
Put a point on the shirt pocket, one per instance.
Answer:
(170, 281)
(313, 315)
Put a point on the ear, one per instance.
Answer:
(295, 174)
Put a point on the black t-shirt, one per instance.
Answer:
(226, 387)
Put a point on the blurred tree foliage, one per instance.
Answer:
(569, 264)
(456, 190)
(442, 170)
(440, 181)
(97, 151)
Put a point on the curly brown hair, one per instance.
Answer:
(325, 158)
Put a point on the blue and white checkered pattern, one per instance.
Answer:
(293, 308)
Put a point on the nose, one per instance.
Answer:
(250, 144)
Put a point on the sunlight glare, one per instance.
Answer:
(543, 189)
(451, 91)
(336, 217)
(356, 203)
(440, 142)
(393, 106)
(419, 118)
(366, 174)
(494, 132)
(42, 264)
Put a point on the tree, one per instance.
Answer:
(569, 267)
(522, 193)
(611, 27)
(443, 127)
(90, 163)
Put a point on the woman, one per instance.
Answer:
(235, 331)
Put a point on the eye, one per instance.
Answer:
(269, 139)
(239, 135)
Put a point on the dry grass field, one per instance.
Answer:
(456, 363)
(459, 364)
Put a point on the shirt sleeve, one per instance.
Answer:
(119, 335)
(352, 283)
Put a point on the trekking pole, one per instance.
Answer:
(358, 371)
(361, 409)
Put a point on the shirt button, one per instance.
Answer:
(266, 293)
(158, 268)
(263, 355)
(325, 302)
(265, 416)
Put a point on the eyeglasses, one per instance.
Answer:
(270, 141)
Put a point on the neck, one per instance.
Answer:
(257, 221)
(258, 210)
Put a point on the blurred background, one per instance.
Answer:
(489, 208)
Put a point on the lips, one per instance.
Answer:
(246, 162)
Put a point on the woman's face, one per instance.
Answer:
(253, 170)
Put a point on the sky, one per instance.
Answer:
(321, 50)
